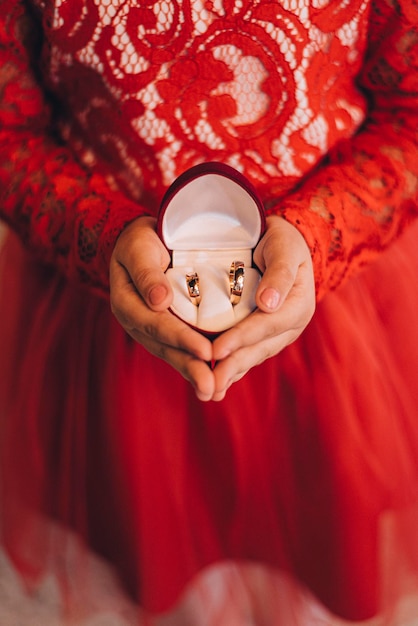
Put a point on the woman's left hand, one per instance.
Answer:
(285, 299)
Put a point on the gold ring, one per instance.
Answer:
(192, 281)
(236, 281)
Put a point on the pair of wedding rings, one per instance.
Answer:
(236, 284)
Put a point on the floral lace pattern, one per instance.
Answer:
(67, 216)
(143, 90)
(235, 82)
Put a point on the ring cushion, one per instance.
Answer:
(210, 217)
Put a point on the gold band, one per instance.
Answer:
(192, 281)
(236, 281)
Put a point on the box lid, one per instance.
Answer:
(211, 206)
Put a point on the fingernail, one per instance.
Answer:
(270, 298)
(157, 294)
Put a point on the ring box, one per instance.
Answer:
(209, 217)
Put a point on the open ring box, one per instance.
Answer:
(210, 217)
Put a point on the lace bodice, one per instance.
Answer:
(118, 98)
(240, 82)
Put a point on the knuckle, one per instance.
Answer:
(143, 277)
(275, 329)
(161, 351)
(151, 329)
(286, 274)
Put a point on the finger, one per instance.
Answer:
(280, 256)
(275, 285)
(164, 336)
(145, 258)
(234, 367)
(159, 327)
(194, 370)
(260, 326)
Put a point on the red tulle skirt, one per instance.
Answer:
(293, 500)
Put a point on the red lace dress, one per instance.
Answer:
(295, 498)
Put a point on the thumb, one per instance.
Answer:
(279, 255)
(153, 286)
(145, 258)
(277, 281)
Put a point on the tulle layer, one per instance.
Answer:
(293, 500)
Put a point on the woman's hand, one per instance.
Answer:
(285, 299)
(140, 295)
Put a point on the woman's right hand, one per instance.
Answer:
(140, 296)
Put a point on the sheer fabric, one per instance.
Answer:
(297, 495)
(291, 496)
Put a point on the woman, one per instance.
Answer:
(295, 477)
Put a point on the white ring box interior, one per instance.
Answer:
(210, 217)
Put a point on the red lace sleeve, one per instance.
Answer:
(364, 194)
(67, 216)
